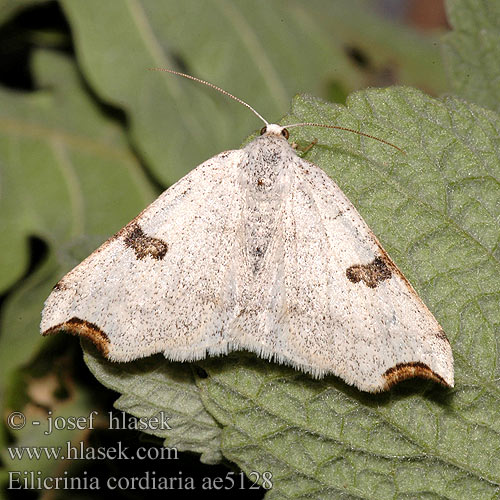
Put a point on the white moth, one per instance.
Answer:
(254, 249)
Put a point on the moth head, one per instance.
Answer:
(273, 129)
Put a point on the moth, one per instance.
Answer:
(255, 249)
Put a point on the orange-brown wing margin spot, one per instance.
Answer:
(403, 371)
(77, 326)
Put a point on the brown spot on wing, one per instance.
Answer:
(403, 371)
(371, 274)
(395, 269)
(77, 326)
(441, 335)
(143, 245)
(60, 285)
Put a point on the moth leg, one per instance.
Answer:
(306, 148)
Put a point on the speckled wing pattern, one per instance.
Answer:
(255, 249)
(162, 283)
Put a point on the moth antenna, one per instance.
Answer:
(241, 101)
(208, 84)
(338, 127)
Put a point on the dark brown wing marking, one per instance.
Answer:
(143, 245)
(59, 286)
(403, 371)
(441, 335)
(77, 326)
(371, 274)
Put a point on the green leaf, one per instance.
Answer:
(68, 178)
(263, 52)
(152, 385)
(392, 52)
(472, 50)
(435, 209)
